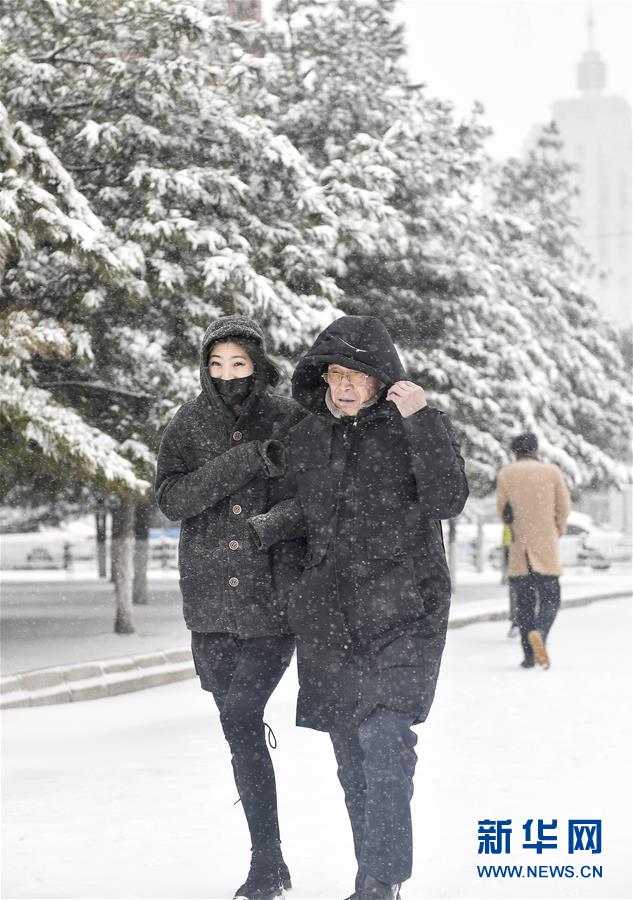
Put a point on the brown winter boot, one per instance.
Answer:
(538, 648)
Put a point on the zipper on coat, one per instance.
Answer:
(347, 446)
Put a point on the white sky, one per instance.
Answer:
(515, 56)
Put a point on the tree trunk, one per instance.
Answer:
(122, 562)
(479, 546)
(452, 550)
(101, 529)
(114, 549)
(4, 256)
(142, 518)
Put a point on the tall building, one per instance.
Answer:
(596, 131)
(246, 9)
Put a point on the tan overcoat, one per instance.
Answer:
(540, 503)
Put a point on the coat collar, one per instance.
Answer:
(312, 438)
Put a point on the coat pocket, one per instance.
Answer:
(313, 612)
(198, 590)
(392, 546)
(314, 556)
(385, 590)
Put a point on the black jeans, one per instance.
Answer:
(242, 674)
(376, 763)
(537, 604)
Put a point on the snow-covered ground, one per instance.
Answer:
(617, 576)
(132, 797)
(83, 570)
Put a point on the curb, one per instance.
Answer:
(88, 681)
(462, 621)
(109, 677)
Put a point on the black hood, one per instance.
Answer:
(240, 329)
(356, 342)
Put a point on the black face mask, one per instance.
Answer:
(234, 391)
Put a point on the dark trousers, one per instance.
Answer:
(513, 602)
(242, 675)
(537, 603)
(376, 763)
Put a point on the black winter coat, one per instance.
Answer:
(371, 609)
(213, 472)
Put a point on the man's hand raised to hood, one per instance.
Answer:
(408, 397)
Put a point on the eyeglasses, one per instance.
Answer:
(355, 378)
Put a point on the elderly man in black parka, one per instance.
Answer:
(375, 468)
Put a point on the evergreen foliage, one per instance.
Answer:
(584, 409)
(164, 164)
(212, 212)
(479, 274)
(43, 214)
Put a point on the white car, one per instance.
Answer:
(163, 547)
(49, 548)
(585, 544)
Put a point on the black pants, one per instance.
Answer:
(513, 602)
(537, 604)
(376, 763)
(241, 675)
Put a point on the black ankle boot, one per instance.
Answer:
(285, 875)
(358, 881)
(267, 878)
(372, 889)
(264, 881)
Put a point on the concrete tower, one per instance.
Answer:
(596, 131)
(246, 9)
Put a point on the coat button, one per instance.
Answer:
(237, 435)
(237, 509)
(233, 545)
(234, 582)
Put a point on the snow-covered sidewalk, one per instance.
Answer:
(59, 623)
(58, 642)
(132, 797)
(84, 571)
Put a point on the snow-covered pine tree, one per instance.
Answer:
(338, 71)
(584, 414)
(137, 97)
(449, 292)
(43, 214)
(142, 100)
(48, 231)
(343, 66)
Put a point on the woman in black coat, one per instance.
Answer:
(221, 461)
(375, 468)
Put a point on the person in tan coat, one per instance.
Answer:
(532, 496)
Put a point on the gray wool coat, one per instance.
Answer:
(214, 471)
